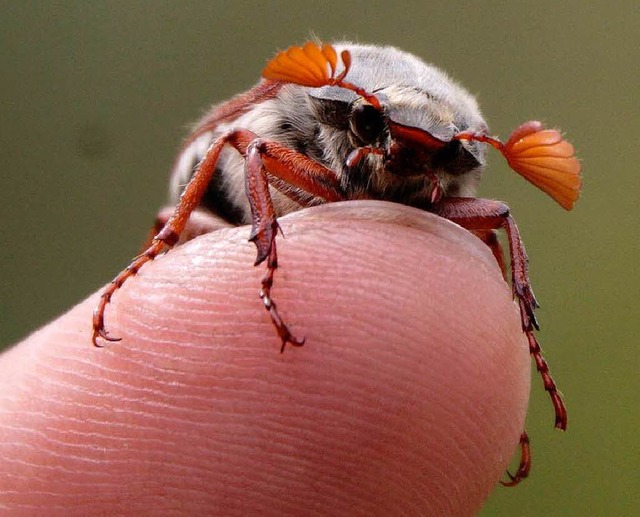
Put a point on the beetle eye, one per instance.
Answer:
(367, 123)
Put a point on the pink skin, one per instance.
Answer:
(408, 397)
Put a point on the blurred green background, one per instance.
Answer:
(95, 98)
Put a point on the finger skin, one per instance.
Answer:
(408, 397)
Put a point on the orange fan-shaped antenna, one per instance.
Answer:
(545, 159)
(315, 65)
(311, 65)
(542, 157)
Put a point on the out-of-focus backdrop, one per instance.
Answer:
(95, 98)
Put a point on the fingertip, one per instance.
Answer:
(400, 309)
(410, 391)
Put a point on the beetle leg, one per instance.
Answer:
(263, 158)
(525, 462)
(484, 214)
(263, 234)
(166, 238)
(285, 166)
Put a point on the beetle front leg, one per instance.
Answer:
(263, 234)
(484, 214)
(291, 168)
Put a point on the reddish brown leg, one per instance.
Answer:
(167, 237)
(525, 462)
(292, 168)
(284, 165)
(484, 214)
(263, 234)
(265, 295)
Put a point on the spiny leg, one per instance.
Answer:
(294, 169)
(490, 239)
(98, 314)
(263, 234)
(484, 214)
(547, 380)
(528, 304)
(269, 162)
(265, 295)
(167, 237)
(152, 247)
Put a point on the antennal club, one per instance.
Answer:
(315, 65)
(541, 156)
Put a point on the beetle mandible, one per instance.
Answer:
(347, 121)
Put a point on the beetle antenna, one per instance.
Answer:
(542, 157)
(315, 65)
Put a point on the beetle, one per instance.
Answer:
(347, 121)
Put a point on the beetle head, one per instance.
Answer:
(407, 129)
(404, 137)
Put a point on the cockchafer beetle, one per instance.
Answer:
(347, 121)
